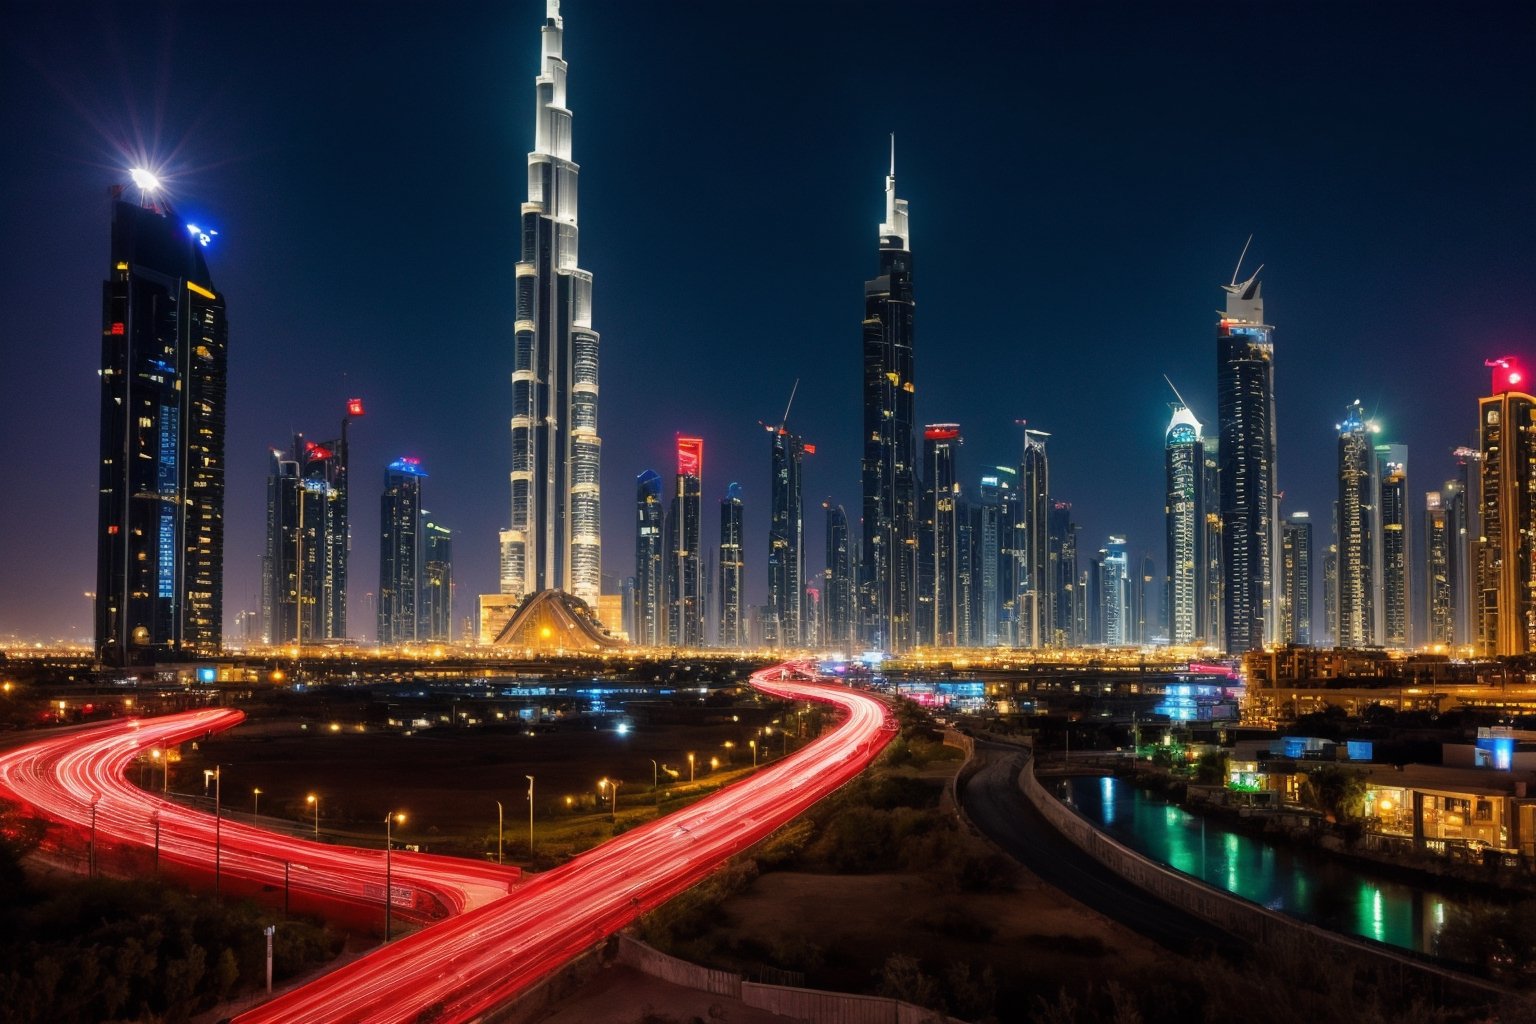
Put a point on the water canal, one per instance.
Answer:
(1333, 894)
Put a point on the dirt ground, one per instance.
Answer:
(448, 781)
(622, 995)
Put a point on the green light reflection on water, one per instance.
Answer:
(1291, 880)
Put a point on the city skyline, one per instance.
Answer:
(1328, 328)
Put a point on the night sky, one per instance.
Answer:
(1082, 178)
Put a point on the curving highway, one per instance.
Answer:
(61, 778)
(496, 945)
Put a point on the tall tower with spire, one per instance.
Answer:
(888, 579)
(1245, 411)
(553, 540)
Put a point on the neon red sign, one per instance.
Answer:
(690, 456)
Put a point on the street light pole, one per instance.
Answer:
(690, 767)
(314, 798)
(753, 745)
(218, 821)
(95, 799)
(499, 831)
(530, 814)
(655, 775)
(389, 843)
(255, 802)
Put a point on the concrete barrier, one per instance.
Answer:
(806, 1004)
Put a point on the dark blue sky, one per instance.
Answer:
(1081, 178)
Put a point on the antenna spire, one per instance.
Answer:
(893, 154)
(785, 421)
(1176, 390)
(1238, 269)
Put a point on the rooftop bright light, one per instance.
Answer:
(145, 180)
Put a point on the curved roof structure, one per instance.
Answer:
(552, 620)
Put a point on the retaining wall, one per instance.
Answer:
(804, 1004)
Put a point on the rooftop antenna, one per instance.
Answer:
(1176, 390)
(893, 154)
(1238, 269)
(783, 423)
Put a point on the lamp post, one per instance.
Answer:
(164, 758)
(314, 800)
(655, 775)
(218, 822)
(753, 745)
(690, 767)
(530, 814)
(255, 802)
(390, 820)
(95, 799)
(499, 830)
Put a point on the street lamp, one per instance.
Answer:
(753, 745)
(730, 752)
(655, 775)
(154, 817)
(530, 814)
(390, 820)
(315, 801)
(218, 822)
(690, 767)
(499, 830)
(255, 802)
(165, 759)
(95, 799)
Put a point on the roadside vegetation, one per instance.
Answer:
(103, 950)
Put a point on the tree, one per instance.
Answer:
(1336, 791)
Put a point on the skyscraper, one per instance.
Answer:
(786, 537)
(889, 557)
(436, 583)
(838, 585)
(1114, 592)
(1063, 576)
(399, 551)
(936, 546)
(1461, 561)
(649, 626)
(1359, 527)
(733, 623)
(685, 597)
(164, 365)
(1296, 580)
(987, 512)
(304, 568)
(1506, 598)
(1392, 512)
(1184, 509)
(1245, 412)
(1439, 594)
(553, 541)
(1034, 603)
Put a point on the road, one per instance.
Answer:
(61, 777)
(993, 801)
(499, 940)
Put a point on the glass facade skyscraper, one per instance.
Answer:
(160, 517)
(733, 623)
(436, 583)
(648, 629)
(553, 541)
(1296, 580)
(837, 581)
(1184, 511)
(1245, 412)
(304, 568)
(937, 542)
(1392, 511)
(399, 551)
(786, 538)
(1506, 571)
(1036, 599)
(1359, 529)
(888, 577)
(684, 560)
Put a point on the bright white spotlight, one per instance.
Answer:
(145, 180)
